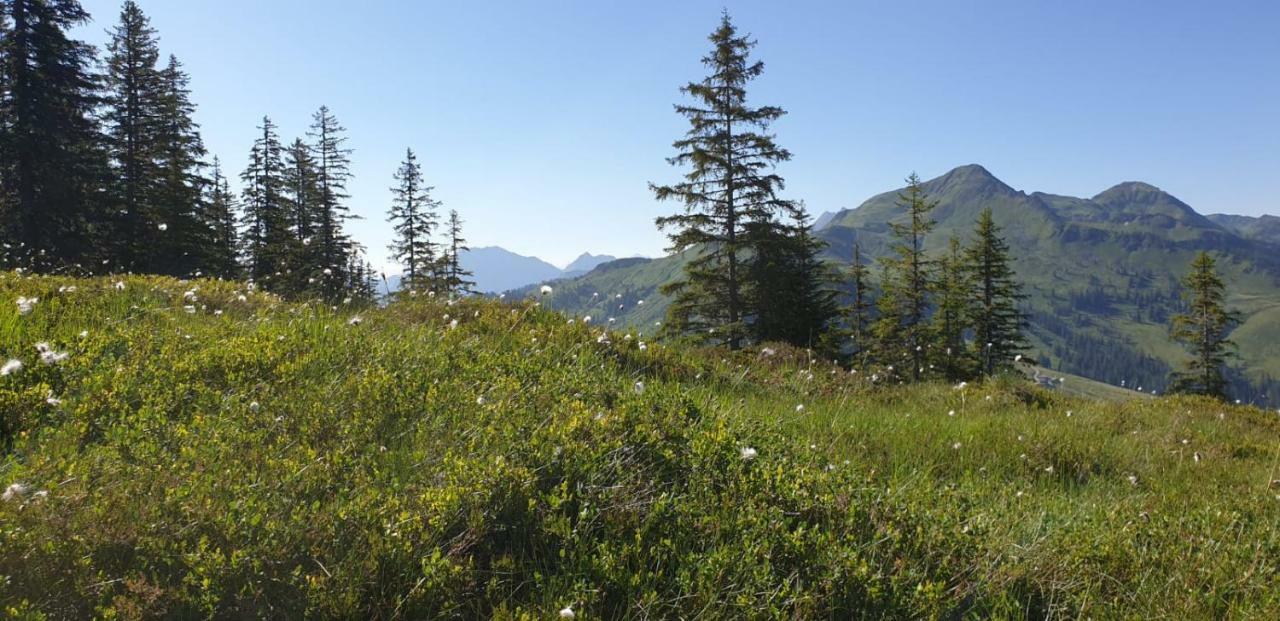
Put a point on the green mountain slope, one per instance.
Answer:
(1101, 274)
(196, 450)
(1264, 228)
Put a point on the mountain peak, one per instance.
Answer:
(969, 180)
(1131, 190)
(587, 262)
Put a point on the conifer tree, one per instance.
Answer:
(951, 318)
(132, 117)
(221, 255)
(1203, 329)
(302, 207)
(997, 322)
(730, 185)
(180, 182)
(455, 278)
(793, 300)
(52, 160)
(268, 240)
(413, 216)
(333, 171)
(902, 330)
(858, 314)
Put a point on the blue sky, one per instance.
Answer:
(542, 122)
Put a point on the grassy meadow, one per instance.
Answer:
(179, 449)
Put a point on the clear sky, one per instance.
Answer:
(541, 122)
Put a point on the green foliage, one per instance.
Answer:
(994, 297)
(728, 196)
(902, 330)
(414, 219)
(1203, 329)
(205, 450)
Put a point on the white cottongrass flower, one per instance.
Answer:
(190, 310)
(1017, 358)
(642, 346)
(14, 491)
(603, 339)
(545, 290)
(586, 319)
(119, 285)
(748, 453)
(254, 406)
(951, 413)
(1133, 480)
(354, 321)
(48, 355)
(566, 612)
(639, 388)
(327, 272)
(163, 227)
(961, 385)
(799, 407)
(12, 366)
(52, 400)
(26, 304)
(454, 324)
(480, 400)
(768, 351)
(956, 446)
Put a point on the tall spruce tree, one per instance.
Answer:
(902, 330)
(333, 171)
(997, 321)
(222, 254)
(730, 186)
(858, 314)
(413, 217)
(951, 318)
(52, 160)
(302, 208)
(185, 246)
(132, 117)
(268, 240)
(1204, 329)
(456, 279)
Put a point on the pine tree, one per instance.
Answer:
(268, 241)
(792, 299)
(858, 313)
(1203, 329)
(180, 187)
(302, 209)
(413, 216)
(333, 171)
(455, 279)
(951, 318)
(997, 322)
(221, 255)
(132, 116)
(52, 160)
(730, 185)
(902, 331)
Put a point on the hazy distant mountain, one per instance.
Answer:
(585, 263)
(1265, 228)
(1102, 273)
(823, 220)
(498, 269)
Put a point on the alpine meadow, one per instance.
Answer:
(251, 365)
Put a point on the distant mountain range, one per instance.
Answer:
(1102, 273)
(497, 269)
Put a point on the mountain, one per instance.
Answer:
(823, 220)
(585, 263)
(1265, 228)
(499, 269)
(1101, 274)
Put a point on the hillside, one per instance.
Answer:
(196, 449)
(1101, 274)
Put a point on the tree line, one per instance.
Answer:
(755, 274)
(103, 169)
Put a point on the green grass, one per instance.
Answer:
(255, 458)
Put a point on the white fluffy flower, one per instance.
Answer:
(639, 387)
(748, 453)
(566, 612)
(800, 407)
(354, 321)
(119, 285)
(26, 304)
(12, 366)
(15, 490)
(545, 290)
